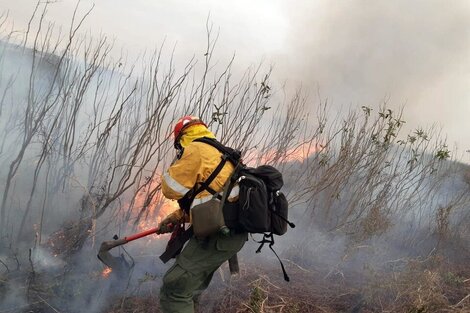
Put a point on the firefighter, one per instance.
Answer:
(201, 257)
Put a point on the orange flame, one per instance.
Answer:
(106, 272)
(154, 205)
(298, 153)
(157, 213)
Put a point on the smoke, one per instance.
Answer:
(13, 298)
(353, 53)
(415, 54)
(52, 262)
(76, 282)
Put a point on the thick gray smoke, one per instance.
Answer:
(353, 53)
(412, 53)
(33, 262)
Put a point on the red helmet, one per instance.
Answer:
(184, 123)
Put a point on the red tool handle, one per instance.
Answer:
(142, 234)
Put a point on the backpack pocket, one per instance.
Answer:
(253, 205)
(231, 211)
(279, 209)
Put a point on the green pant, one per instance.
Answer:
(193, 270)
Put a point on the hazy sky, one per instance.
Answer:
(414, 53)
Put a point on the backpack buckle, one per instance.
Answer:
(241, 178)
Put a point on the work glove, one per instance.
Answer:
(165, 228)
(168, 223)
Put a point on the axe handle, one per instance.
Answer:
(108, 245)
(140, 235)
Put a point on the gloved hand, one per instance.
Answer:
(168, 223)
(165, 228)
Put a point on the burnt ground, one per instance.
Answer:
(439, 282)
(431, 285)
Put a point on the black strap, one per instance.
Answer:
(188, 198)
(292, 225)
(212, 176)
(176, 244)
(232, 155)
(269, 238)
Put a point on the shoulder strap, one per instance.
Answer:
(212, 176)
(188, 198)
(229, 184)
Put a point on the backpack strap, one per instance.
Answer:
(227, 154)
(269, 238)
(292, 225)
(229, 184)
(212, 176)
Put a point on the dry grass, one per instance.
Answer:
(430, 285)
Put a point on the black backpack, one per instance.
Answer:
(262, 208)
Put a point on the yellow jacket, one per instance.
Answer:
(196, 164)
